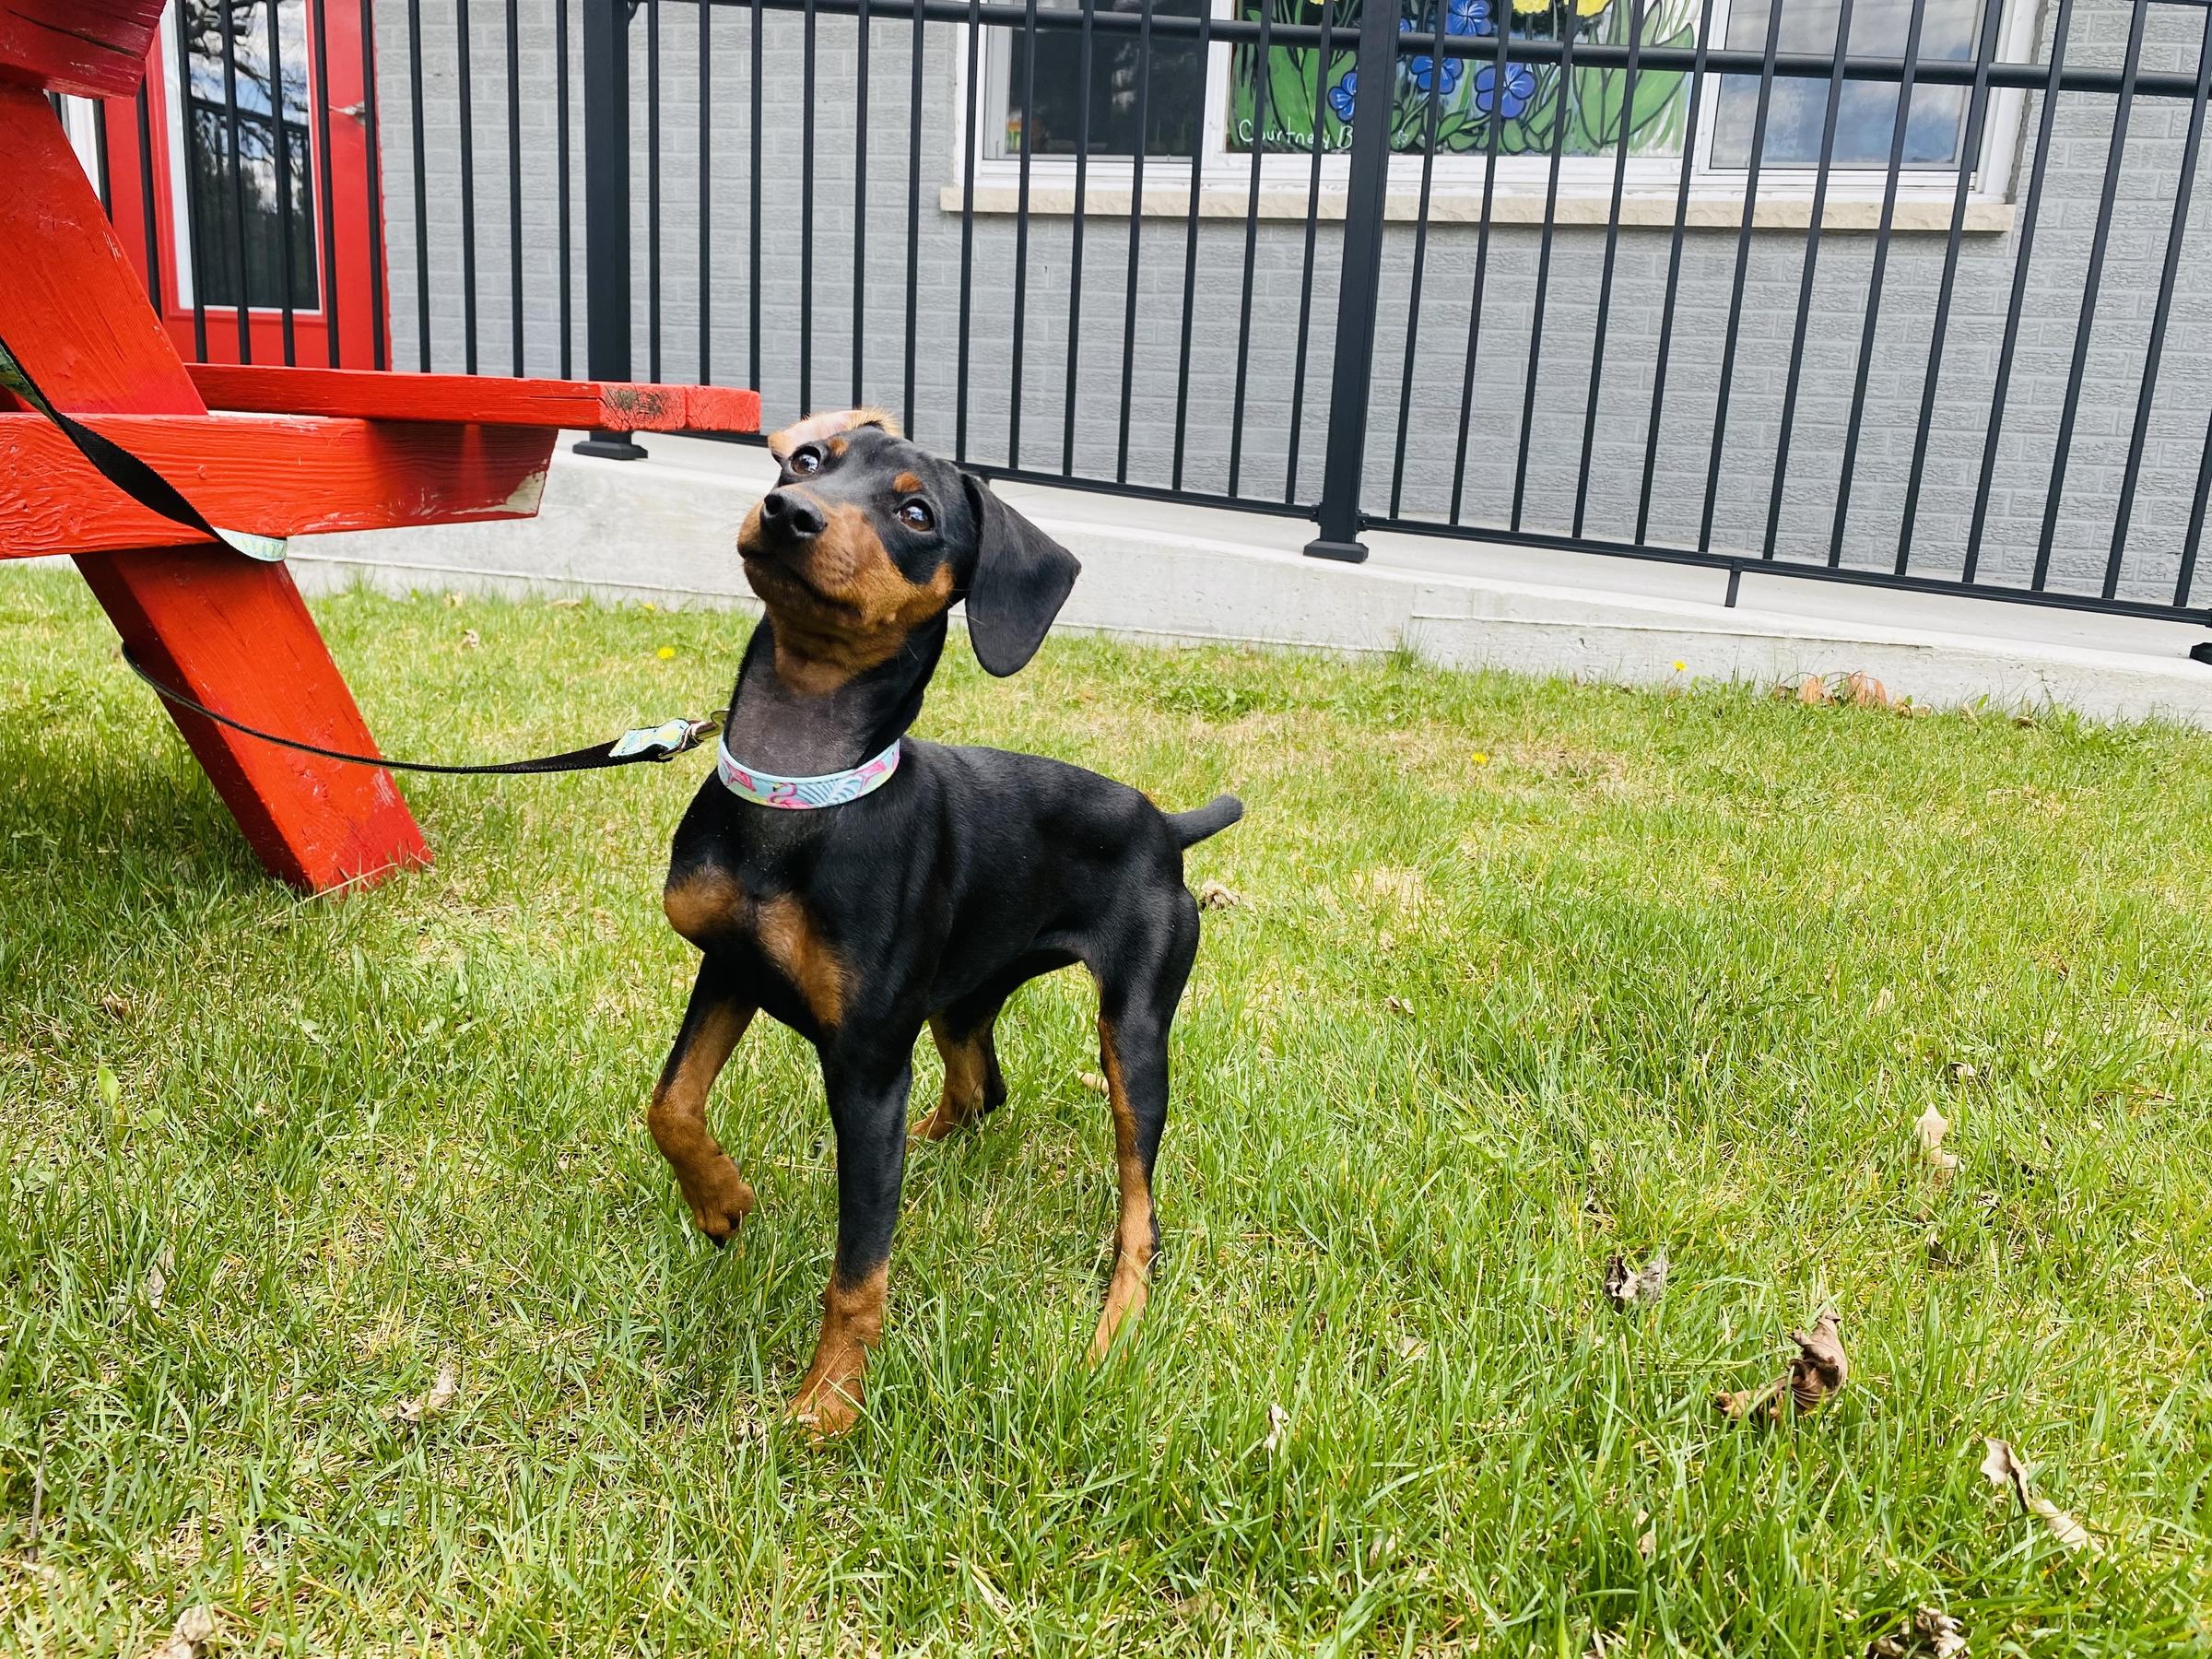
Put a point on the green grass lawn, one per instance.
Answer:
(1522, 974)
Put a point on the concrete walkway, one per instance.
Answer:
(663, 529)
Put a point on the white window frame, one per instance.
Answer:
(180, 161)
(1651, 182)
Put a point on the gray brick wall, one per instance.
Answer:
(1897, 373)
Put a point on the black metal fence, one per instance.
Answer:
(1842, 351)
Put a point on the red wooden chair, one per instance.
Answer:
(356, 451)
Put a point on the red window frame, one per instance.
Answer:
(348, 241)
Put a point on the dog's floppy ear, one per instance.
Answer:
(1022, 578)
(827, 424)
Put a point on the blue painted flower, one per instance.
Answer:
(1470, 18)
(1342, 94)
(1461, 17)
(1520, 88)
(1420, 70)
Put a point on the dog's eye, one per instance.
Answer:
(805, 462)
(915, 516)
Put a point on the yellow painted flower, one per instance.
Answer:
(666, 653)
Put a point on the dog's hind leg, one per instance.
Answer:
(718, 1196)
(1136, 1005)
(973, 1085)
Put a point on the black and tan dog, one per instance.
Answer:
(939, 880)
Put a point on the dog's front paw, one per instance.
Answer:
(1125, 1298)
(826, 1405)
(720, 1205)
(939, 1123)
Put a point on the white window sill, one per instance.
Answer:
(1709, 209)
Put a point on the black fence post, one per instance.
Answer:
(1352, 377)
(607, 209)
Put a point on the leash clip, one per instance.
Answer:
(663, 741)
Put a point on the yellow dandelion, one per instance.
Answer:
(666, 653)
(1481, 758)
(1680, 664)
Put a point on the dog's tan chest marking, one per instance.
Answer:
(705, 906)
(789, 939)
(713, 906)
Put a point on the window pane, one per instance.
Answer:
(270, 141)
(1528, 101)
(1173, 99)
(1867, 111)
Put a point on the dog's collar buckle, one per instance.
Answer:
(803, 794)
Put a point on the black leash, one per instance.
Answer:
(158, 495)
(663, 741)
(130, 474)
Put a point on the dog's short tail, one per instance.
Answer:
(1217, 814)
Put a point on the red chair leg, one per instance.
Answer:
(235, 635)
(230, 633)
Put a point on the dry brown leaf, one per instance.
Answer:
(1962, 1071)
(1278, 1425)
(155, 1286)
(1647, 1546)
(444, 1391)
(452, 601)
(2003, 1467)
(196, 1629)
(2071, 1534)
(471, 639)
(1214, 895)
(116, 1008)
(1929, 1130)
(1398, 1005)
(1867, 691)
(1812, 691)
(1817, 1372)
(1626, 1286)
(1092, 1081)
(1933, 1632)
(1411, 1348)
(566, 604)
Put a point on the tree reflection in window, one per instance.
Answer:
(256, 96)
(1164, 88)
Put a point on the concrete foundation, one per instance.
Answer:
(663, 529)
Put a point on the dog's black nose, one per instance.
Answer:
(794, 515)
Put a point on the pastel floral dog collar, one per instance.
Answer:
(802, 794)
